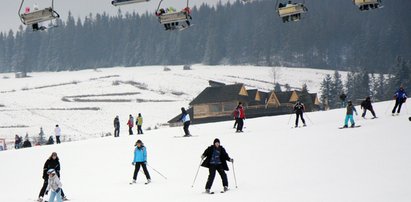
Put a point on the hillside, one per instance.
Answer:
(85, 103)
(272, 163)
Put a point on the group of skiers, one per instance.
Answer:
(130, 124)
(239, 116)
(51, 177)
(19, 143)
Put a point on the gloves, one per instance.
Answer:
(58, 190)
(47, 192)
(232, 160)
(133, 163)
(202, 156)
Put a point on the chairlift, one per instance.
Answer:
(365, 5)
(38, 16)
(291, 11)
(171, 19)
(126, 2)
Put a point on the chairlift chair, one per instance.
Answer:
(126, 2)
(293, 11)
(173, 17)
(367, 4)
(38, 16)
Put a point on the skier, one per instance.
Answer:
(235, 114)
(366, 105)
(17, 142)
(116, 127)
(349, 116)
(343, 96)
(139, 124)
(187, 11)
(130, 124)
(240, 116)
(299, 111)
(53, 162)
(50, 141)
(54, 185)
(216, 160)
(185, 118)
(57, 132)
(140, 159)
(400, 97)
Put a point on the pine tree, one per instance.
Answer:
(337, 88)
(326, 92)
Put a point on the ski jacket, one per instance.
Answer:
(140, 154)
(208, 153)
(54, 183)
(57, 131)
(299, 108)
(185, 117)
(130, 122)
(400, 95)
(240, 112)
(366, 104)
(343, 97)
(351, 109)
(139, 121)
(51, 164)
(116, 123)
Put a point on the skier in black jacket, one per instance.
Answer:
(116, 127)
(366, 105)
(216, 160)
(299, 111)
(51, 163)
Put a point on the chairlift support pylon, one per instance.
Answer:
(38, 16)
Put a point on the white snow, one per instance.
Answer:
(273, 162)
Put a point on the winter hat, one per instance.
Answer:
(139, 141)
(216, 140)
(51, 171)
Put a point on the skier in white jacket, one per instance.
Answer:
(57, 132)
(54, 186)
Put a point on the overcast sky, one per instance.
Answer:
(80, 8)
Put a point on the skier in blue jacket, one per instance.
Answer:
(400, 97)
(140, 159)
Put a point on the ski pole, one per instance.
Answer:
(386, 110)
(198, 169)
(309, 119)
(289, 119)
(235, 179)
(157, 171)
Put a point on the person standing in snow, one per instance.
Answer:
(17, 142)
(343, 96)
(400, 97)
(130, 124)
(350, 115)
(140, 160)
(53, 162)
(139, 124)
(216, 159)
(116, 127)
(54, 186)
(240, 116)
(366, 105)
(299, 111)
(185, 118)
(57, 132)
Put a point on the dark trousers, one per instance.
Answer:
(240, 124)
(139, 130)
(398, 103)
(137, 169)
(365, 112)
(58, 139)
(130, 130)
(298, 115)
(117, 132)
(235, 123)
(212, 170)
(186, 126)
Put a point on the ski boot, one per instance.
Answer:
(40, 199)
(345, 126)
(225, 189)
(148, 181)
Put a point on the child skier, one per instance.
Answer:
(54, 186)
(140, 159)
(216, 160)
(349, 116)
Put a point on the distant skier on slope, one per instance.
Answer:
(366, 105)
(349, 115)
(216, 160)
(240, 116)
(116, 123)
(139, 123)
(140, 160)
(54, 186)
(185, 118)
(400, 97)
(299, 111)
(57, 132)
(130, 124)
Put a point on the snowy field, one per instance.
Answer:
(84, 103)
(319, 163)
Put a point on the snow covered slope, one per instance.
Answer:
(272, 162)
(85, 103)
